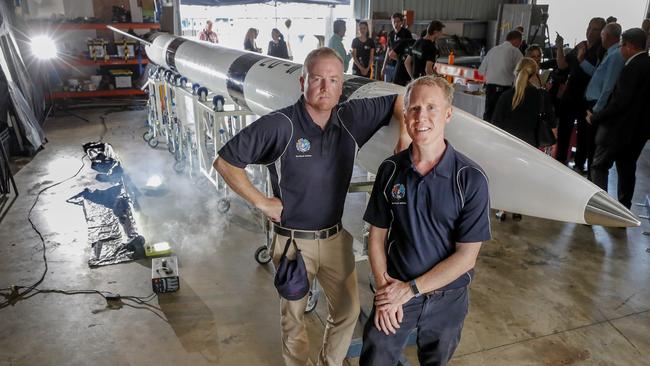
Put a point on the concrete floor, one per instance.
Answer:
(546, 293)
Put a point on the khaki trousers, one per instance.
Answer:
(331, 261)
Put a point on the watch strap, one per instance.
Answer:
(414, 288)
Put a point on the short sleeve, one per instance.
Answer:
(363, 117)
(371, 43)
(378, 211)
(262, 142)
(473, 224)
(356, 44)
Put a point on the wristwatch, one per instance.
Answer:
(414, 289)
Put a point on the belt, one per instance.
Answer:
(308, 234)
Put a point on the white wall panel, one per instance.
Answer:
(432, 9)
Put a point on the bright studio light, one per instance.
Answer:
(43, 47)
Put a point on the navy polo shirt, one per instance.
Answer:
(427, 215)
(310, 168)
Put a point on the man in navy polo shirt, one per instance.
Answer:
(309, 149)
(429, 213)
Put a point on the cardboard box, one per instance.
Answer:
(122, 79)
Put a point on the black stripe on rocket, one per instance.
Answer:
(351, 85)
(170, 55)
(237, 75)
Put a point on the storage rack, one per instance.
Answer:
(83, 61)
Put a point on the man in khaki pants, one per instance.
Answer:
(309, 149)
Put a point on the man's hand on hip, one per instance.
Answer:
(271, 207)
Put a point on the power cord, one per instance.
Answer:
(16, 293)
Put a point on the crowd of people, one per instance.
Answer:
(596, 89)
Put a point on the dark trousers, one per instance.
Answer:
(492, 94)
(586, 144)
(569, 113)
(625, 157)
(438, 318)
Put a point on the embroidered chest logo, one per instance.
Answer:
(303, 145)
(398, 192)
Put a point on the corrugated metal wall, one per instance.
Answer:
(432, 9)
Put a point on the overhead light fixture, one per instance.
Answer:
(43, 47)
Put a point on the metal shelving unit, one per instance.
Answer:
(80, 60)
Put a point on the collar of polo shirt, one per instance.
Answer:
(334, 120)
(444, 167)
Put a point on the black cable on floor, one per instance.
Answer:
(16, 293)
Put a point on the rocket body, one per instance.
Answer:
(522, 179)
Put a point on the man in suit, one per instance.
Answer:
(622, 126)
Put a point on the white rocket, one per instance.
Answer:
(522, 179)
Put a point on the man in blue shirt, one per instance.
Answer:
(429, 214)
(309, 148)
(603, 78)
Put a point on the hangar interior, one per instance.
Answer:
(78, 275)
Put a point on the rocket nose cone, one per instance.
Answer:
(606, 211)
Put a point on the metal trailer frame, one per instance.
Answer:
(156, 111)
(217, 121)
(171, 130)
(185, 127)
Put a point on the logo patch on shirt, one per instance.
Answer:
(303, 145)
(398, 192)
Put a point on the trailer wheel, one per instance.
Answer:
(179, 166)
(262, 255)
(223, 205)
(153, 143)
